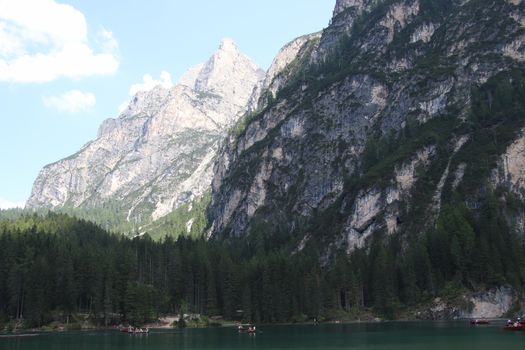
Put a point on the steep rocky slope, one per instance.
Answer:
(378, 128)
(158, 154)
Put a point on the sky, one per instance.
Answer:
(66, 65)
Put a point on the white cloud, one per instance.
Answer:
(107, 41)
(6, 204)
(72, 101)
(122, 107)
(42, 40)
(149, 83)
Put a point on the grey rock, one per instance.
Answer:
(494, 303)
(158, 154)
(293, 158)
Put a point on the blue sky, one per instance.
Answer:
(65, 66)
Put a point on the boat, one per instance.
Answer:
(141, 331)
(246, 328)
(478, 321)
(514, 327)
(134, 330)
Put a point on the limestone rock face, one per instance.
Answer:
(229, 74)
(511, 168)
(491, 304)
(346, 12)
(494, 303)
(378, 68)
(342, 5)
(158, 154)
(510, 174)
(287, 60)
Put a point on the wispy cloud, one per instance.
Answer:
(148, 83)
(42, 40)
(6, 204)
(73, 101)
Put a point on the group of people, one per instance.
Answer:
(246, 328)
(134, 330)
(517, 323)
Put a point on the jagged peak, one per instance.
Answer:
(228, 53)
(228, 45)
(146, 101)
(229, 73)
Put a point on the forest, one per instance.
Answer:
(56, 267)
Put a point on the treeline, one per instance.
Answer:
(56, 266)
(187, 220)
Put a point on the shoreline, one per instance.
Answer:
(36, 332)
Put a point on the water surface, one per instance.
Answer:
(377, 336)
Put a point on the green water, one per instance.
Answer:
(391, 335)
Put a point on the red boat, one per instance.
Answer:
(514, 327)
(479, 321)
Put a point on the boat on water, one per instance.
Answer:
(514, 328)
(479, 321)
(246, 328)
(134, 330)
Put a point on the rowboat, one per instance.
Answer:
(246, 328)
(514, 327)
(479, 321)
(134, 330)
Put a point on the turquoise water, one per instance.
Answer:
(378, 336)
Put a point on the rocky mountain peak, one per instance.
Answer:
(228, 45)
(147, 101)
(158, 154)
(229, 73)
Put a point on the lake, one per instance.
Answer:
(376, 336)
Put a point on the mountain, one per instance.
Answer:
(388, 153)
(397, 114)
(158, 154)
(375, 170)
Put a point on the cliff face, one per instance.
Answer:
(381, 70)
(158, 153)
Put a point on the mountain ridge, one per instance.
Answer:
(166, 138)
